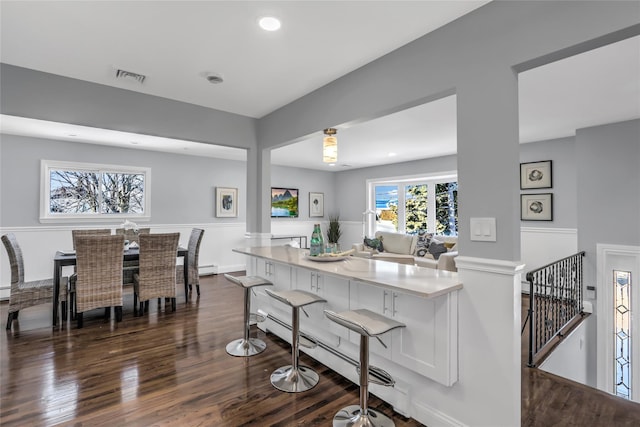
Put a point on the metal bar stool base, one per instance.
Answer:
(294, 381)
(351, 417)
(244, 348)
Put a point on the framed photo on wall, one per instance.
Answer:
(535, 175)
(226, 202)
(316, 204)
(536, 207)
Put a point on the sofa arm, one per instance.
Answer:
(447, 261)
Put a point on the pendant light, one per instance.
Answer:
(330, 146)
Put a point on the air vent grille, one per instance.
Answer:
(130, 76)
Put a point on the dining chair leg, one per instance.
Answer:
(118, 311)
(173, 304)
(107, 313)
(79, 320)
(135, 304)
(198, 289)
(146, 307)
(9, 320)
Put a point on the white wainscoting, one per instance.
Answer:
(539, 246)
(39, 245)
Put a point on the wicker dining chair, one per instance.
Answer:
(193, 256)
(157, 275)
(131, 267)
(23, 294)
(67, 293)
(99, 270)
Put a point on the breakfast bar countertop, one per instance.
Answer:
(409, 279)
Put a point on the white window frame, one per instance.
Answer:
(46, 166)
(401, 181)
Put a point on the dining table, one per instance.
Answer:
(68, 258)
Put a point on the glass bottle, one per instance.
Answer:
(316, 246)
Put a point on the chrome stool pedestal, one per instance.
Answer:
(246, 346)
(367, 324)
(294, 378)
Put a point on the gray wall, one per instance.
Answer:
(562, 154)
(182, 187)
(474, 57)
(607, 159)
(306, 181)
(29, 93)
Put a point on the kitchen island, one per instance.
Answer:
(425, 300)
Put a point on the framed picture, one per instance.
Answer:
(535, 175)
(316, 204)
(226, 202)
(284, 202)
(536, 207)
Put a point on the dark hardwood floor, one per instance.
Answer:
(172, 369)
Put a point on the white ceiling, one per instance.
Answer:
(176, 43)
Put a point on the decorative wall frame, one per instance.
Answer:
(536, 207)
(316, 204)
(226, 202)
(535, 175)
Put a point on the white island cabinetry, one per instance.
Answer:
(425, 300)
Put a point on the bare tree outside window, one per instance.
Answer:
(122, 193)
(73, 192)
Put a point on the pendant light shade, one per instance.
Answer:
(330, 146)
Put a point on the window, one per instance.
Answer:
(622, 333)
(410, 204)
(72, 191)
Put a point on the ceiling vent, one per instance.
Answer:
(130, 77)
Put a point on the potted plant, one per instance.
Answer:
(334, 232)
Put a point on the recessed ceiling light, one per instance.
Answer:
(269, 23)
(214, 78)
(392, 154)
(332, 164)
(134, 142)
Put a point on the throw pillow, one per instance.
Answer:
(375, 244)
(436, 249)
(422, 246)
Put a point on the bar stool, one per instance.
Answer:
(246, 346)
(367, 324)
(294, 378)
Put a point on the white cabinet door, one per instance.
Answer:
(428, 343)
(332, 289)
(280, 276)
(364, 295)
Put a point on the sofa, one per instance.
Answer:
(422, 249)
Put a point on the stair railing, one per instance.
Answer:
(555, 302)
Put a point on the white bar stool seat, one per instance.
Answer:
(294, 378)
(246, 346)
(367, 324)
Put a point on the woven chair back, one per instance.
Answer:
(157, 276)
(99, 269)
(15, 258)
(194, 254)
(98, 231)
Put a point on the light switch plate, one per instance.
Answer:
(483, 229)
